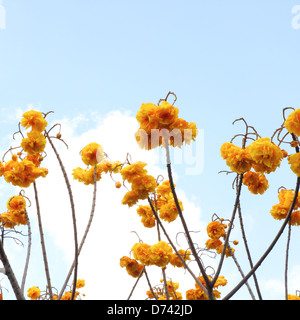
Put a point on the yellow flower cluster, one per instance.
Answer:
(165, 202)
(133, 268)
(15, 215)
(159, 254)
(161, 123)
(92, 155)
(279, 211)
(141, 183)
(215, 231)
(262, 155)
(199, 294)
(21, 173)
(35, 141)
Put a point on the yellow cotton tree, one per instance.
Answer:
(155, 201)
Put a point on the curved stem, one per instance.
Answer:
(241, 272)
(73, 214)
(42, 240)
(247, 250)
(229, 229)
(191, 244)
(286, 260)
(250, 273)
(28, 253)
(85, 232)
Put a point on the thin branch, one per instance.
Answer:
(28, 253)
(137, 280)
(42, 240)
(241, 272)
(247, 250)
(73, 214)
(286, 260)
(191, 244)
(85, 232)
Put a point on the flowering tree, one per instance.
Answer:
(155, 200)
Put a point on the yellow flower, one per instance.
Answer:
(292, 123)
(257, 183)
(213, 243)
(133, 171)
(141, 252)
(216, 229)
(33, 293)
(294, 161)
(80, 284)
(166, 114)
(146, 116)
(35, 120)
(295, 218)
(92, 154)
(34, 143)
(143, 185)
(133, 268)
(293, 297)
(130, 198)
(16, 203)
(22, 173)
(266, 155)
(228, 252)
(168, 211)
(239, 160)
(164, 188)
(279, 211)
(160, 254)
(148, 218)
(175, 260)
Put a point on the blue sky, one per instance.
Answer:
(224, 60)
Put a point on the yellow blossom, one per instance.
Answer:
(34, 143)
(294, 161)
(92, 154)
(292, 123)
(257, 183)
(35, 120)
(33, 293)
